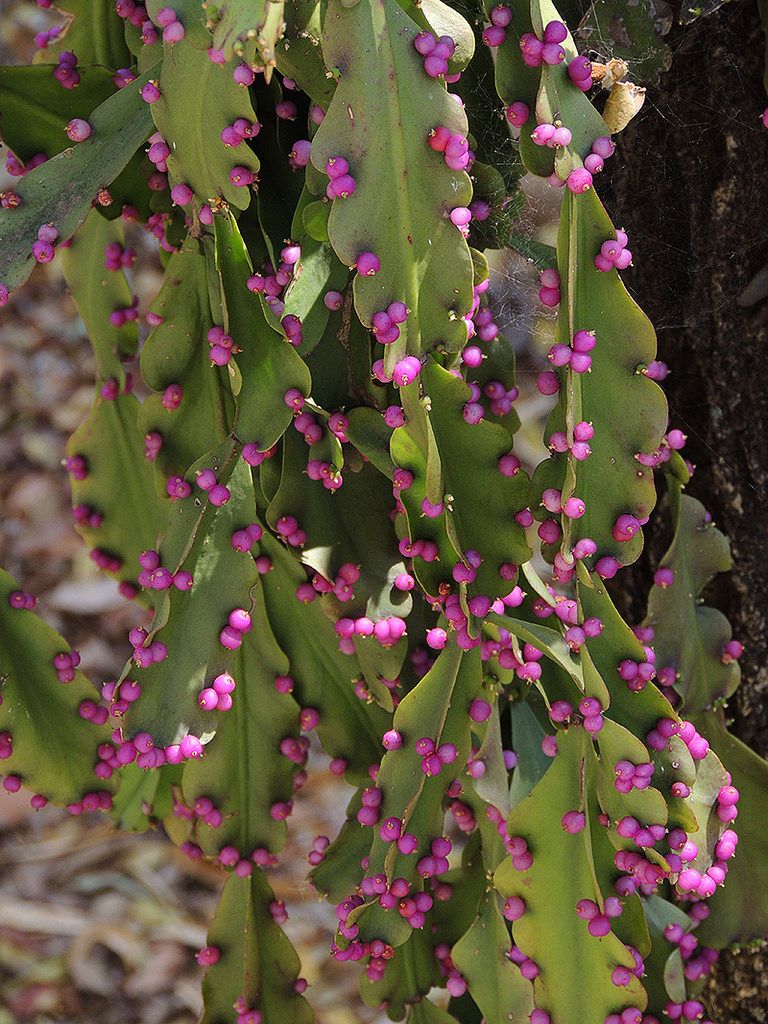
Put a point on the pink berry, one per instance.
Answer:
(579, 180)
(517, 114)
(78, 130)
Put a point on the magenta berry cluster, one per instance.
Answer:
(547, 49)
(436, 51)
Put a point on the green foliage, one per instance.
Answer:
(425, 1012)
(98, 292)
(119, 486)
(397, 595)
(615, 743)
(481, 514)
(60, 192)
(323, 676)
(740, 910)
(93, 31)
(176, 352)
(437, 708)
(299, 53)
(248, 29)
(338, 532)
(258, 963)
(188, 79)
(410, 975)
(482, 957)
(404, 191)
(638, 711)
(240, 774)
(189, 622)
(665, 962)
(550, 932)
(557, 98)
(54, 750)
(267, 361)
(339, 871)
(34, 109)
(690, 636)
(625, 341)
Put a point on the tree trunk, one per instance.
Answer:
(689, 185)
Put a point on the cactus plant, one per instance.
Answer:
(318, 502)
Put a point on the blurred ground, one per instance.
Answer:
(97, 926)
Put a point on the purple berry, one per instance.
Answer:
(78, 130)
(517, 114)
(479, 710)
(579, 180)
(368, 264)
(150, 92)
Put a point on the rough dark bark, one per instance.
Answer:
(690, 188)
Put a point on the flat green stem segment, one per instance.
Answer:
(482, 956)
(438, 708)
(559, 99)
(425, 1012)
(324, 677)
(94, 32)
(484, 501)
(443, 20)
(664, 979)
(413, 448)
(119, 485)
(575, 981)
(189, 80)
(177, 352)
(35, 109)
(243, 771)
(258, 962)
(98, 292)
(547, 640)
(249, 28)
(690, 636)
(193, 16)
(408, 977)
(740, 908)
(638, 711)
(317, 272)
(710, 779)
(144, 796)
(340, 871)
(627, 410)
(268, 363)
(299, 53)
(54, 749)
(189, 622)
(340, 529)
(616, 743)
(60, 191)
(518, 83)
(379, 120)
